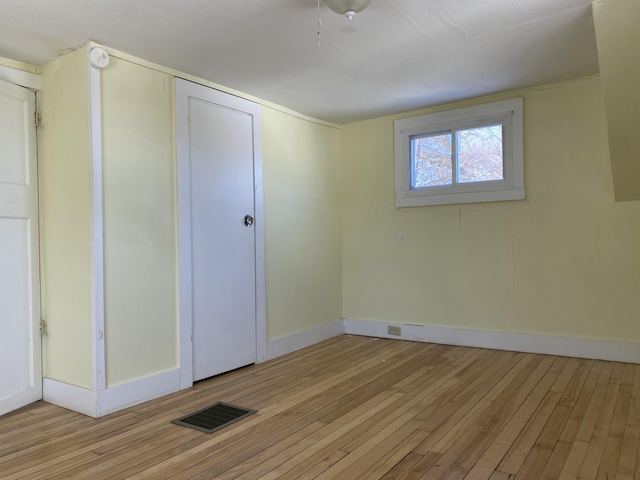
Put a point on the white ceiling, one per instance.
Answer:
(397, 55)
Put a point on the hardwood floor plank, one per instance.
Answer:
(322, 465)
(351, 438)
(427, 461)
(403, 467)
(631, 439)
(403, 432)
(558, 458)
(394, 454)
(324, 437)
(576, 418)
(574, 461)
(380, 384)
(355, 434)
(455, 402)
(588, 424)
(613, 447)
(545, 404)
(545, 443)
(122, 461)
(470, 446)
(598, 439)
(254, 465)
(358, 407)
(31, 435)
(542, 450)
(65, 448)
(417, 398)
(449, 438)
(501, 476)
(583, 429)
(576, 384)
(515, 441)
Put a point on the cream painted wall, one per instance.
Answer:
(302, 223)
(140, 244)
(618, 37)
(563, 262)
(302, 220)
(65, 199)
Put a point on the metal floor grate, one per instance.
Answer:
(214, 417)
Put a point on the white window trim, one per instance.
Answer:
(507, 112)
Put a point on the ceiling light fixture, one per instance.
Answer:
(348, 8)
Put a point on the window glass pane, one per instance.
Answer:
(480, 154)
(431, 164)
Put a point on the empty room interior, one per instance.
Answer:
(400, 238)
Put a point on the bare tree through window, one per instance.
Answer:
(479, 157)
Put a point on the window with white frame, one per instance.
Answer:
(472, 154)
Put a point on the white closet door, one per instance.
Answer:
(223, 243)
(20, 346)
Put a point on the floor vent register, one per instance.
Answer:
(214, 417)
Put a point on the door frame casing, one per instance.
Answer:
(183, 91)
(31, 81)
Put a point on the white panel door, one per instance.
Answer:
(221, 159)
(20, 351)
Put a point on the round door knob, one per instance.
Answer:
(248, 220)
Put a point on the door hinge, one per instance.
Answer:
(37, 119)
(43, 327)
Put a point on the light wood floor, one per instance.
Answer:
(356, 407)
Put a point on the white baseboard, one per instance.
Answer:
(72, 397)
(306, 338)
(97, 404)
(521, 342)
(138, 391)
